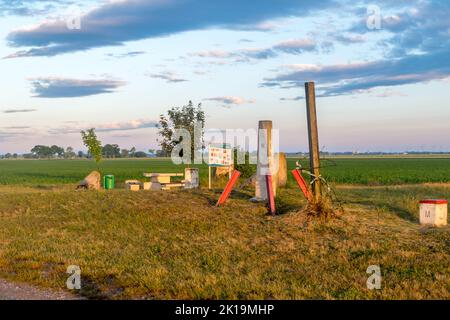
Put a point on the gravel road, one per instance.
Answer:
(21, 291)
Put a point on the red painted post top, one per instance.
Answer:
(434, 201)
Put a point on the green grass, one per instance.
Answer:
(384, 171)
(45, 172)
(368, 171)
(159, 245)
(177, 245)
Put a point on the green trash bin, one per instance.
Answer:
(108, 182)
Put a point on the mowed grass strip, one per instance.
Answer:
(177, 245)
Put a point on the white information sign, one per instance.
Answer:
(220, 156)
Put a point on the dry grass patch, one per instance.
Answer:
(177, 245)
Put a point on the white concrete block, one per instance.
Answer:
(433, 212)
(152, 186)
(191, 178)
(133, 187)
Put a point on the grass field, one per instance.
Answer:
(367, 171)
(157, 245)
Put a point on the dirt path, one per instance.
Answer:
(21, 291)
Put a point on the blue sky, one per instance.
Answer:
(382, 89)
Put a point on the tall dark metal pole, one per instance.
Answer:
(313, 134)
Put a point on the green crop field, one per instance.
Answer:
(44, 172)
(367, 171)
(385, 171)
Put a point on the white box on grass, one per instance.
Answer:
(433, 212)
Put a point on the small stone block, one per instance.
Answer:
(433, 212)
(133, 187)
(152, 186)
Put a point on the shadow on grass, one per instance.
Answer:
(398, 211)
(99, 290)
(285, 206)
(213, 195)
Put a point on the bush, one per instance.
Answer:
(247, 170)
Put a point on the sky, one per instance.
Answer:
(381, 68)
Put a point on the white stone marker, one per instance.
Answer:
(267, 163)
(433, 212)
(192, 178)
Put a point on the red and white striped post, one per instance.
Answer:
(270, 194)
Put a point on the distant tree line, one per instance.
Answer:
(374, 153)
(114, 151)
(110, 151)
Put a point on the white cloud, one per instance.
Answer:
(230, 101)
(19, 110)
(342, 79)
(116, 22)
(60, 87)
(293, 46)
(169, 76)
(296, 46)
(105, 127)
(213, 54)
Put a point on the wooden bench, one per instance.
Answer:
(164, 179)
(169, 186)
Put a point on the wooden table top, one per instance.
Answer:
(156, 175)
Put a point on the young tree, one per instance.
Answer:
(186, 118)
(246, 169)
(93, 144)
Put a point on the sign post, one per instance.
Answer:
(220, 155)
